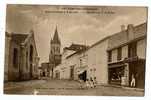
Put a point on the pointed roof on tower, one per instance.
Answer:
(56, 37)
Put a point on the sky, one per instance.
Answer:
(81, 25)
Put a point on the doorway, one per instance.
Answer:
(31, 61)
(83, 76)
(72, 73)
(138, 69)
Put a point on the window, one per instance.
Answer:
(57, 50)
(132, 49)
(31, 54)
(119, 53)
(26, 60)
(15, 58)
(109, 56)
(53, 49)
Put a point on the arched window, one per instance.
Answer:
(31, 60)
(15, 57)
(27, 60)
(31, 54)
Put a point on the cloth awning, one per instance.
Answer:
(131, 59)
(81, 70)
(116, 65)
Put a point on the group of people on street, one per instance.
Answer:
(89, 83)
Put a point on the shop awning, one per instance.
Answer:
(131, 59)
(81, 70)
(116, 65)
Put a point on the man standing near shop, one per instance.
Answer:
(133, 81)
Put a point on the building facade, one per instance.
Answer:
(46, 70)
(21, 57)
(87, 63)
(97, 61)
(112, 60)
(126, 56)
(70, 62)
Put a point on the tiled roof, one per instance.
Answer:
(79, 50)
(76, 47)
(122, 36)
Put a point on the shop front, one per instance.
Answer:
(82, 73)
(137, 68)
(116, 72)
(121, 73)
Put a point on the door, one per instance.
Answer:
(72, 72)
(138, 69)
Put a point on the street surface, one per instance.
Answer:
(65, 87)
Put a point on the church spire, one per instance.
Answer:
(56, 37)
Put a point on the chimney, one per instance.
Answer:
(130, 26)
(130, 30)
(122, 27)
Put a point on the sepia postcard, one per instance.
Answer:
(75, 50)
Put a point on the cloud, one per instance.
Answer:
(79, 28)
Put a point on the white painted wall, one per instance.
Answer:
(64, 67)
(97, 59)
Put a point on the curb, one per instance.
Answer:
(124, 87)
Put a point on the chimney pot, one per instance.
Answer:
(130, 29)
(130, 26)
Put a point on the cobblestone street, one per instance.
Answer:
(65, 87)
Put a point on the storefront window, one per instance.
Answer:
(115, 75)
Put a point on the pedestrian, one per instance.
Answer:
(81, 83)
(35, 92)
(91, 83)
(95, 82)
(87, 83)
(133, 81)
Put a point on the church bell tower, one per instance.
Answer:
(55, 45)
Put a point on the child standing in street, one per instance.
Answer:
(87, 83)
(95, 82)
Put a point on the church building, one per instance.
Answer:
(21, 57)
